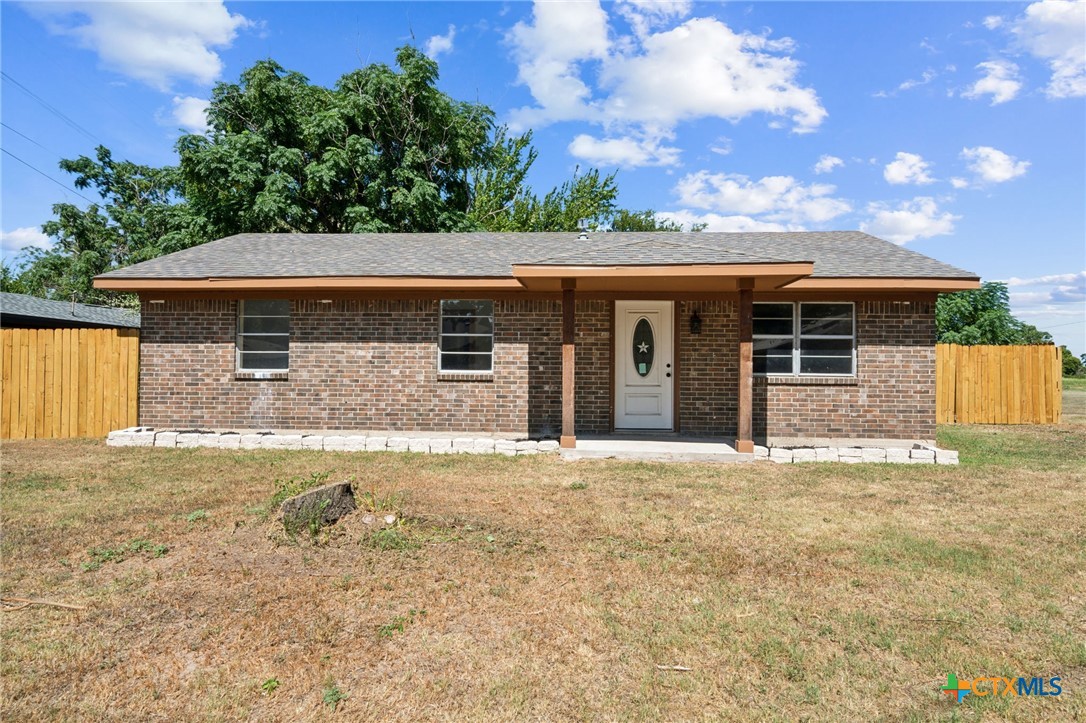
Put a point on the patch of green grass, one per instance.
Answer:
(35, 482)
(333, 696)
(392, 538)
(399, 623)
(379, 501)
(269, 686)
(1074, 384)
(101, 555)
(1035, 447)
(578, 485)
(196, 516)
(899, 549)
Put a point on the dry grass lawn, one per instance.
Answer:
(533, 589)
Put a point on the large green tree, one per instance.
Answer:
(983, 316)
(383, 150)
(140, 217)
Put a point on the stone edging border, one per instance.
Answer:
(918, 454)
(149, 437)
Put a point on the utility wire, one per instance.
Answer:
(43, 173)
(50, 108)
(24, 135)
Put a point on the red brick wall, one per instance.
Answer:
(708, 369)
(892, 397)
(371, 365)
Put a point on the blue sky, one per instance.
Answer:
(958, 129)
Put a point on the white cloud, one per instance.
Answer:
(644, 15)
(719, 222)
(1000, 81)
(907, 168)
(722, 146)
(992, 22)
(626, 152)
(918, 218)
(14, 241)
(191, 114)
(926, 77)
(1048, 279)
(993, 166)
(827, 163)
(1052, 30)
(959, 183)
(438, 44)
(1061, 288)
(154, 42)
(1052, 289)
(642, 85)
(549, 52)
(778, 199)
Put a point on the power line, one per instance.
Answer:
(43, 173)
(24, 135)
(1070, 323)
(50, 108)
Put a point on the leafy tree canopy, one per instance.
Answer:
(1072, 365)
(383, 150)
(983, 316)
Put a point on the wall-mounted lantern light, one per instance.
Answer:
(695, 323)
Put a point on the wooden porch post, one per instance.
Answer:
(569, 328)
(744, 438)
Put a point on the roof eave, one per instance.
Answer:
(661, 277)
(884, 283)
(307, 283)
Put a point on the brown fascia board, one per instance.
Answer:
(869, 283)
(315, 283)
(572, 271)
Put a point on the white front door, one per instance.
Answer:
(644, 368)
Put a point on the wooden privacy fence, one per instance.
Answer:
(998, 384)
(68, 382)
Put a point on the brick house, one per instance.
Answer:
(773, 337)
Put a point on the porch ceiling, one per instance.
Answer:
(662, 278)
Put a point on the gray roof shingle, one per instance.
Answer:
(31, 307)
(834, 253)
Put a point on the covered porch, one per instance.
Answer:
(629, 284)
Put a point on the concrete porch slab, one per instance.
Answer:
(654, 448)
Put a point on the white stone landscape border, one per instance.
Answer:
(172, 438)
(918, 454)
(150, 437)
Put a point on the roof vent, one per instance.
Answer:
(583, 225)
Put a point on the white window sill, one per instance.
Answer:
(261, 376)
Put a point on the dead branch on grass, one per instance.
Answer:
(676, 668)
(9, 604)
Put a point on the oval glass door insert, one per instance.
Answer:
(644, 347)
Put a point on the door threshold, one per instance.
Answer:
(645, 432)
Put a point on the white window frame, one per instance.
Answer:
(240, 334)
(797, 336)
(441, 335)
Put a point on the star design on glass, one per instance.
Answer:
(643, 348)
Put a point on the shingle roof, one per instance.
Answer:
(31, 307)
(834, 253)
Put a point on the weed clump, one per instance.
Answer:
(101, 555)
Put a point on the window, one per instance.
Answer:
(806, 338)
(263, 336)
(467, 336)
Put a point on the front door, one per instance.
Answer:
(644, 373)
